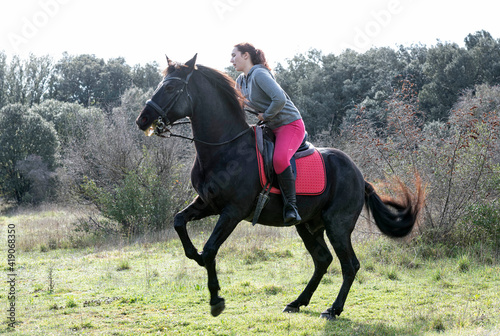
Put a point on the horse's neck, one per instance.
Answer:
(209, 133)
(215, 122)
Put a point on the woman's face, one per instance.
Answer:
(238, 59)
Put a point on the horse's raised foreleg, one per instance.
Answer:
(316, 245)
(196, 210)
(224, 227)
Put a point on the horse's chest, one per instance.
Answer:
(224, 183)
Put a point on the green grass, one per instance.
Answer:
(152, 288)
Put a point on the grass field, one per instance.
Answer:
(69, 284)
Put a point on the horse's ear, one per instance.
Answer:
(191, 64)
(169, 61)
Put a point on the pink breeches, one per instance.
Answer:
(288, 140)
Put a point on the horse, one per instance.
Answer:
(226, 178)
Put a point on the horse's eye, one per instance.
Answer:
(169, 88)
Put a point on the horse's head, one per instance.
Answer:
(170, 101)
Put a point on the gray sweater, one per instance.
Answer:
(265, 95)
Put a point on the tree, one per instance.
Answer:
(449, 70)
(302, 80)
(146, 77)
(3, 79)
(78, 79)
(485, 53)
(231, 72)
(15, 82)
(25, 81)
(114, 80)
(70, 120)
(38, 73)
(91, 81)
(476, 39)
(326, 87)
(23, 133)
(412, 61)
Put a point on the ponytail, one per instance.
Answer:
(256, 55)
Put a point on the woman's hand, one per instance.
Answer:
(261, 116)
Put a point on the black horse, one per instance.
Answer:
(226, 178)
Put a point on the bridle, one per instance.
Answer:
(162, 123)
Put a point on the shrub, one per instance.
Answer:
(140, 203)
(455, 159)
(40, 178)
(134, 181)
(68, 119)
(481, 223)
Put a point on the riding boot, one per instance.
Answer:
(286, 182)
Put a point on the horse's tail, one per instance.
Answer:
(395, 218)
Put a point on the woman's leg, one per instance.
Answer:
(288, 140)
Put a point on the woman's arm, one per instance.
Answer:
(272, 89)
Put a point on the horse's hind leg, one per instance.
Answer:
(316, 245)
(196, 210)
(338, 230)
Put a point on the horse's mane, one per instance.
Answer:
(219, 79)
(227, 86)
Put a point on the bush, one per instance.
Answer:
(139, 203)
(481, 224)
(40, 178)
(69, 119)
(136, 182)
(456, 160)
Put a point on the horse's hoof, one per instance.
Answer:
(328, 315)
(291, 309)
(218, 308)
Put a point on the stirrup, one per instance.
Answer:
(292, 220)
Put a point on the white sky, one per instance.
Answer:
(144, 31)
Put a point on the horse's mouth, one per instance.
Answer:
(157, 127)
(151, 130)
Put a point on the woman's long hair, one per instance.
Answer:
(256, 55)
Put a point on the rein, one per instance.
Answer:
(170, 134)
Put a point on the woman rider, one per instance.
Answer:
(265, 95)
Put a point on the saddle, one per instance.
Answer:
(264, 138)
(307, 164)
